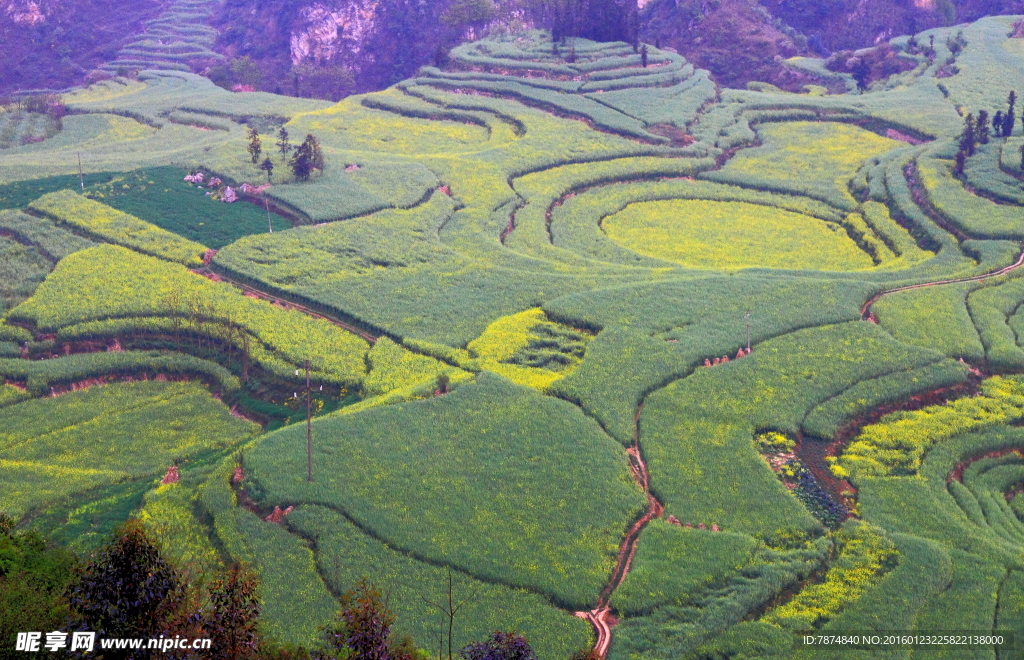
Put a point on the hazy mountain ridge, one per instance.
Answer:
(333, 47)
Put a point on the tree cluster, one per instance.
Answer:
(979, 131)
(600, 20)
(305, 159)
(130, 589)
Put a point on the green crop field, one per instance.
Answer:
(552, 301)
(731, 235)
(56, 448)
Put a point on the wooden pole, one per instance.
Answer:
(81, 177)
(309, 429)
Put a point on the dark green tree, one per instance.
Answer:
(500, 646)
(127, 588)
(983, 127)
(33, 577)
(643, 56)
(308, 157)
(300, 164)
(1022, 157)
(363, 630)
(997, 124)
(234, 611)
(316, 154)
(1009, 119)
(968, 139)
(330, 83)
(283, 145)
(255, 147)
(961, 161)
(246, 72)
(268, 166)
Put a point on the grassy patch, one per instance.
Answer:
(817, 159)
(732, 235)
(477, 478)
(22, 268)
(52, 448)
(344, 553)
(111, 282)
(109, 224)
(673, 565)
(159, 196)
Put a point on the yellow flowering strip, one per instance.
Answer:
(897, 443)
(864, 554)
(504, 337)
(111, 282)
(393, 368)
(109, 224)
(732, 235)
(502, 340)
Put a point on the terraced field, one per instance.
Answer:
(615, 345)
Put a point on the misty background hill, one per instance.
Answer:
(331, 48)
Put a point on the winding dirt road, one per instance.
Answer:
(865, 310)
(601, 616)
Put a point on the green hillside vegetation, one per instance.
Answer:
(106, 224)
(464, 449)
(119, 293)
(526, 281)
(55, 448)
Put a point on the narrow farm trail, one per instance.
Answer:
(601, 617)
(252, 291)
(865, 310)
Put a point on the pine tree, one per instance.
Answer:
(967, 139)
(301, 162)
(315, 154)
(997, 124)
(255, 147)
(283, 145)
(961, 161)
(268, 166)
(1022, 157)
(643, 56)
(983, 126)
(1009, 119)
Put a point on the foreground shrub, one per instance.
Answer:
(364, 627)
(127, 589)
(501, 646)
(33, 575)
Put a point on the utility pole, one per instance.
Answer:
(309, 430)
(81, 177)
(746, 318)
